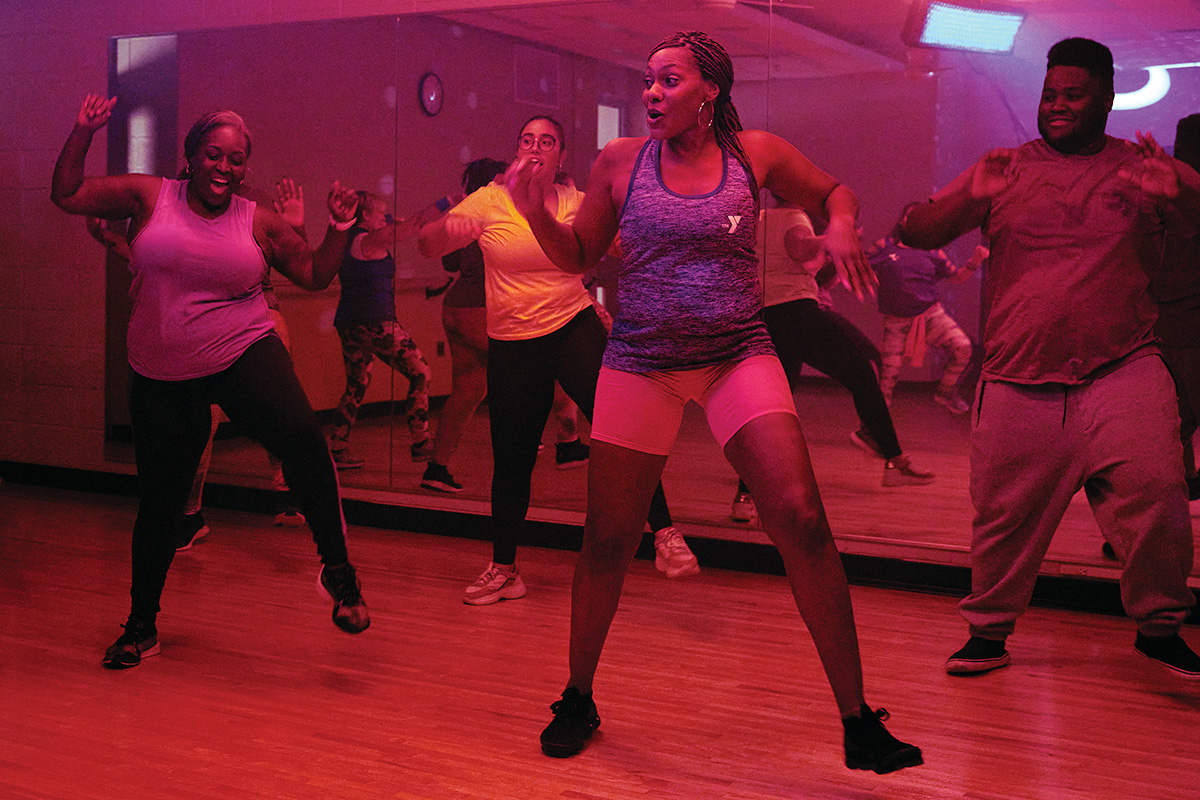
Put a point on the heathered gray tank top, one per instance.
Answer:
(688, 290)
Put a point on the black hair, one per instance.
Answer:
(480, 172)
(1086, 54)
(1187, 141)
(562, 134)
(715, 66)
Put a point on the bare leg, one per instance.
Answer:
(620, 484)
(566, 414)
(770, 454)
(466, 331)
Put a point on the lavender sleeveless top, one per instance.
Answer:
(197, 289)
(688, 292)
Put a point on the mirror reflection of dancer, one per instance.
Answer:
(805, 332)
(913, 316)
(366, 324)
(199, 333)
(464, 319)
(689, 328)
(541, 328)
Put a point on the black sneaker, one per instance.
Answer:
(286, 514)
(140, 640)
(978, 655)
(572, 454)
(1171, 652)
(437, 478)
(339, 584)
(870, 746)
(575, 718)
(191, 530)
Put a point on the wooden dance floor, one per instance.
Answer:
(709, 688)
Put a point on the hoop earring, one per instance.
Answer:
(700, 111)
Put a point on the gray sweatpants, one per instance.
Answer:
(1034, 447)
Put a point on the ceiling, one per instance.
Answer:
(828, 37)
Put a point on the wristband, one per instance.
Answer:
(340, 226)
(443, 204)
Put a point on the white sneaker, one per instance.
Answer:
(672, 555)
(495, 584)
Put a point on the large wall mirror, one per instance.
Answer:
(397, 105)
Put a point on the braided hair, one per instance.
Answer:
(716, 67)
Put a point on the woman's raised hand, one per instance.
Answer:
(525, 184)
(289, 202)
(342, 202)
(95, 112)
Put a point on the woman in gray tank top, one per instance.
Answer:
(684, 202)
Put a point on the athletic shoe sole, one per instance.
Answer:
(439, 486)
(975, 666)
(1182, 673)
(504, 593)
(197, 536)
(153, 650)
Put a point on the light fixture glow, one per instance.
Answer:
(1156, 88)
(984, 29)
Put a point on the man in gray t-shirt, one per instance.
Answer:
(1074, 393)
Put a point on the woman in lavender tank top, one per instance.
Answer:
(684, 202)
(200, 334)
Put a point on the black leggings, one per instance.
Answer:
(261, 395)
(520, 389)
(805, 333)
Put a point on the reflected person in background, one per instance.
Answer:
(1175, 288)
(199, 333)
(464, 319)
(366, 324)
(541, 328)
(688, 327)
(1074, 393)
(804, 332)
(913, 316)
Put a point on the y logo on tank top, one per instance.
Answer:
(733, 222)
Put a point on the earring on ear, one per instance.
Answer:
(700, 112)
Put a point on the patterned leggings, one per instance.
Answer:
(941, 331)
(393, 345)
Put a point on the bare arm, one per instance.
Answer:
(383, 240)
(785, 171)
(451, 232)
(579, 246)
(109, 197)
(287, 252)
(962, 205)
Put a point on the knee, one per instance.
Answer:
(801, 520)
(607, 550)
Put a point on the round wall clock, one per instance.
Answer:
(430, 89)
